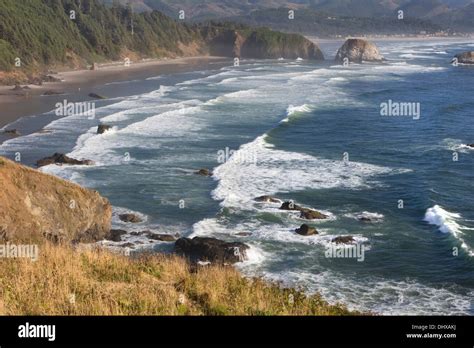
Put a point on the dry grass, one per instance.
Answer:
(64, 281)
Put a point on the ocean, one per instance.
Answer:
(310, 132)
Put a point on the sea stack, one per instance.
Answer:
(465, 57)
(358, 51)
(35, 207)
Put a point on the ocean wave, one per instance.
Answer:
(263, 170)
(296, 110)
(448, 222)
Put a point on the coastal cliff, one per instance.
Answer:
(81, 34)
(35, 207)
(260, 43)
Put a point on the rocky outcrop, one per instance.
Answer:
(162, 237)
(290, 206)
(261, 44)
(102, 128)
(358, 51)
(470, 145)
(310, 214)
(204, 172)
(306, 213)
(35, 206)
(465, 57)
(130, 218)
(211, 249)
(343, 240)
(115, 235)
(305, 230)
(59, 158)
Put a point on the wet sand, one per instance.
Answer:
(28, 102)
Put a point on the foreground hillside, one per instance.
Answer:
(64, 281)
(59, 274)
(40, 35)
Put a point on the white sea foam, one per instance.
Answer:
(282, 171)
(386, 297)
(448, 222)
(374, 217)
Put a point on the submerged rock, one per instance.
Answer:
(305, 230)
(115, 235)
(358, 51)
(12, 132)
(211, 249)
(35, 207)
(204, 172)
(130, 218)
(96, 96)
(343, 240)
(102, 128)
(465, 57)
(59, 158)
(51, 92)
(162, 237)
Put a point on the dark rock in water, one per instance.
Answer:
(267, 199)
(365, 219)
(12, 132)
(115, 235)
(131, 218)
(59, 158)
(96, 96)
(305, 230)
(243, 234)
(162, 237)
(344, 240)
(17, 88)
(128, 245)
(290, 206)
(465, 57)
(358, 51)
(471, 145)
(102, 128)
(312, 214)
(211, 249)
(49, 78)
(204, 172)
(51, 92)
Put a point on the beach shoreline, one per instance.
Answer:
(31, 101)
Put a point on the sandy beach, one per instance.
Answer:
(31, 100)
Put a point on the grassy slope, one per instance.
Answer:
(110, 284)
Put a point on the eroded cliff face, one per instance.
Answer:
(35, 206)
(261, 44)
